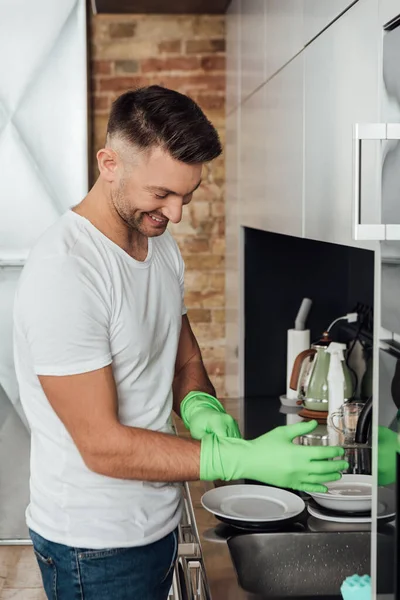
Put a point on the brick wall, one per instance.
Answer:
(185, 53)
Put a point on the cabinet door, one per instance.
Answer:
(252, 45)
(389, 10)
(284, 32)
(318, 14)
(341, 88)
(233, 56)
(251, 208)
(282, 211)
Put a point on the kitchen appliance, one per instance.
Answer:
(310, 376)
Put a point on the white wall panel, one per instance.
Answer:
(43, 119)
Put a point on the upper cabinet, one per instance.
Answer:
(284, 32)
(389, 10)
(233, 56)
(318, 14)
(271, 145)
(252, 45)
(253, 165)
(283, 208)
(341, 89)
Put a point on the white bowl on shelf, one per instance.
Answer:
(351, 493)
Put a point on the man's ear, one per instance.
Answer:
(107, 161)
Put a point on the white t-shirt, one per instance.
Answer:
(83, 303)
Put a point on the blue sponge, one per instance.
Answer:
(356, 587)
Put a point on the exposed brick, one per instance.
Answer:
(217, 281)
(101, 103)
(121, 84)
(121, 30)
(192, 82)
(200, 315)
(204, 299)
(218, 246)
(194, 245)
(207, 26)
(204, 261)
(131, 51)
(218, 315)
(125, 49)
(218, 209)
(205, 46)
(173, 63)
(102, 67)
(170, 46)
(196, 281)
(209, 333)
(210, 101)
(213, 63)
(215, 367)
(126, 66)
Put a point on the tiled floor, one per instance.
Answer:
(19, 574)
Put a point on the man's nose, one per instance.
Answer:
(173, 210)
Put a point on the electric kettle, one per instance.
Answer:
(310, 376)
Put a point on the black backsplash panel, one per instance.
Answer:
(279, 272)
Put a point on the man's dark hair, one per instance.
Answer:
(157, 116)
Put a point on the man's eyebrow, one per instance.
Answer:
(158, 188)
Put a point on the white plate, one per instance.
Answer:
(352, 493)
(314, 512)
(252, 503)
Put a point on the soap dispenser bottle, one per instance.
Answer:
(336, 385)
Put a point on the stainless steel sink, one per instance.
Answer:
(302, 565)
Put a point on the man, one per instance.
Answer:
(104, 351)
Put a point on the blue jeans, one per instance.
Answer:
(142, 573)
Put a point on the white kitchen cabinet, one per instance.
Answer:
(318, 14)
(252, 210)
(232, 253)
(252, 45)
(271, 144)
(284, 32)
(233, 56)
(282, 211)
(341, 89)
(389, 10)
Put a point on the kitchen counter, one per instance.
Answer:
(259, 415)
(220, 572)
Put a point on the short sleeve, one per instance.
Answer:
(182, 282)
(62, 311)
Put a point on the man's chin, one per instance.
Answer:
(152, 231)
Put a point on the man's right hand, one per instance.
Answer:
(272, 459)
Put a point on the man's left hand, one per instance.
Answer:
(204, 414)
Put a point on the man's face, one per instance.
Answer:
(153, 191)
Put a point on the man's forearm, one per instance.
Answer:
(133, 453)
(192, 377)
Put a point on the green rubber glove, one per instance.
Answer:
(272, 458)
(202, 414)
(387, 449)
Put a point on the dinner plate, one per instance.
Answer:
(386, 510)
(252, 504)
(327, 515)
(352, 493)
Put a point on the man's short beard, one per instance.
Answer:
(117, 200)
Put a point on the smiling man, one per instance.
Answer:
(103, 353)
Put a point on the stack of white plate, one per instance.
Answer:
(348, 500)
